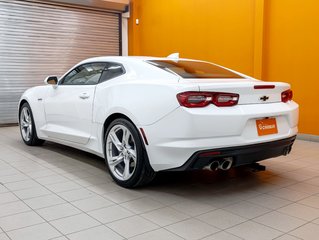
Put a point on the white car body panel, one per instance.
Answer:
(175, 141)
(147, 96)
(68, 111)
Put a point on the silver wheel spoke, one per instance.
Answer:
(25, 115)
(24, 124)
(126, 172)
(116, 160)
(116, 141)
(126, 136)
(28, 132)
(132, 153)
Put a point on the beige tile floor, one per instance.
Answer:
(56, 192)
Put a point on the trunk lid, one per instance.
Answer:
(265, 92)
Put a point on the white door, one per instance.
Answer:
(69, 106)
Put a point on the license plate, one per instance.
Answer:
(266, 126)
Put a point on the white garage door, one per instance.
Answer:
(39, 39)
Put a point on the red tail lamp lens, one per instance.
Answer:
(264, 86)
(286, 96)
(194, 99)
(225, 99)
(202, 99)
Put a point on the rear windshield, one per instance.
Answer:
(194, 69)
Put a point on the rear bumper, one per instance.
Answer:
(185, 131)
(242, 155)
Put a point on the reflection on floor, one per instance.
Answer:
(56, 192)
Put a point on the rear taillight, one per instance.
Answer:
(286, 96)
(194, 99)
(225, 99)
(202, 99)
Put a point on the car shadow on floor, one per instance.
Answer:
(213, 180)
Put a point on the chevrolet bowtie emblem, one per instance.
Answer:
(264, 98)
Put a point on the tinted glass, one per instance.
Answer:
(86, 74)
(111, 71)
(194, 69)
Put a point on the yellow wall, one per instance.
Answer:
(274, 40)
(291, 54)
(204, 29)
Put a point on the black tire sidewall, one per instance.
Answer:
(140, 162)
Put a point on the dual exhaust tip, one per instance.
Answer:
(224, 164)
(287, 150)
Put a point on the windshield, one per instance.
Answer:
(194, 69)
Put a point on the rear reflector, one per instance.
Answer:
(144, 136)
(202, 99)
(264, 86)
(286, 96)
(208, 154)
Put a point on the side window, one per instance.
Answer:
(112, 70)
(86, 74)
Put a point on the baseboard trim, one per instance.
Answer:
(308, 137)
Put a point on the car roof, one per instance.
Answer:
(123, 59)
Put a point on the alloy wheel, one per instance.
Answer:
(121, 154)
(26, 124)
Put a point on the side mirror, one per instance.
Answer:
(52, 80)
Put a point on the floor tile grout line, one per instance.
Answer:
(4, 232)
(188, 218)
(316, 219)
(155, 230)
(287, 187)
(264, 193)
(70, 202)
(183, 237)
(296, 216)
(40, 215)
(288, 235)
(224, 232)
(51, 169)
(297, 228)
(275, 210)
(63, 191)
(248, 220)
(195, 216)
(81, 212)
(45, 221)
(81, 209)
(280, 230)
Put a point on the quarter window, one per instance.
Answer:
(112, 70)
(86, 74)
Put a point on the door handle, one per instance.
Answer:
(84, 96)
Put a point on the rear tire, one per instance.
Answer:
(125, 155)
(27, 126)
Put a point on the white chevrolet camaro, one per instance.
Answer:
(145, 114)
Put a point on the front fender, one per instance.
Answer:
(35, 98)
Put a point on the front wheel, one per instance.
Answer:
(125, 155)
(27, 126)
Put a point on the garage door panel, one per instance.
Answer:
(37, 40)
